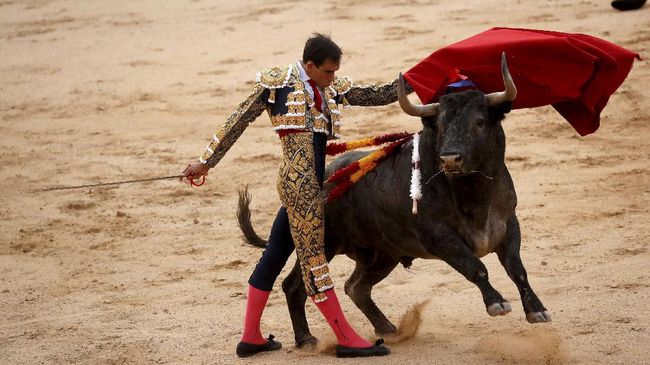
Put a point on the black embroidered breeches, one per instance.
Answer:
(299, 223)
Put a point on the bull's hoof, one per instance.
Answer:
(387, 330)
(538, 317)
(307, 342)
(499, 309)
(627, 4)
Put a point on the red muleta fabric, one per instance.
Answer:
(575, 73)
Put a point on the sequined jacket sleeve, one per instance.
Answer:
(247, 111)
(374, 95)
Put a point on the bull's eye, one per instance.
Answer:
(479, 122)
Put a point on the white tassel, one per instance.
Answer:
(416, 188)
(416, 175)
(416, 148)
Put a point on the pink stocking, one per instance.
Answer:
(255, 304)
(345, 334)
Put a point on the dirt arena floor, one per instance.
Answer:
(95, 91)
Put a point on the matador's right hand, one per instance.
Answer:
(194, 170)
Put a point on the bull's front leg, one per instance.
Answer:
(508, 253)
(448, 246)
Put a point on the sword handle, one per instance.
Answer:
(194, 183)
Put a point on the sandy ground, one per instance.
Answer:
(96, 91)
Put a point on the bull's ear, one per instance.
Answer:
(499, 111)
(430, 122)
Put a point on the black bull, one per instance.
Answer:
(467, 210)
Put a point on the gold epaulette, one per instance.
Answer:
(275, 77)
(342, 85)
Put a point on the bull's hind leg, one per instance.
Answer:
(359, 286)
(509, 256)
(294, 291)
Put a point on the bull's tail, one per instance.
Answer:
(244, 219)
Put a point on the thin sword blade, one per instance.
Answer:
(113, 183)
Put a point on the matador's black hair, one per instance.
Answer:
(319, 48)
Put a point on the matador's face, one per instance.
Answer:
(322, 75)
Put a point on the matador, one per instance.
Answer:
(304, 101)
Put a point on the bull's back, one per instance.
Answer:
(344, 161)
(373, 213)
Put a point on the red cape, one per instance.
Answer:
(575, 73)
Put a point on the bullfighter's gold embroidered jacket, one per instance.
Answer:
(281, 92)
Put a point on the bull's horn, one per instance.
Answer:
(510, 92)
(429, 110)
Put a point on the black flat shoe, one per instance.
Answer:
(627, 4)
(245, 349)
(375, 350)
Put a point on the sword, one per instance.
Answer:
(192, 182)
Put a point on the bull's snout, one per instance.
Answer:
(451, 162)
